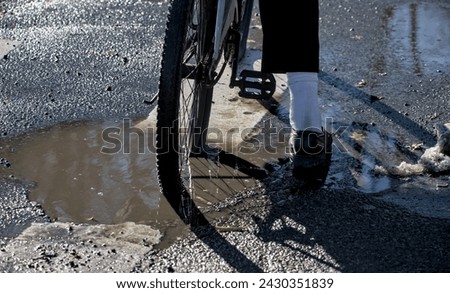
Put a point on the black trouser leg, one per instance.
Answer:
(291, 35)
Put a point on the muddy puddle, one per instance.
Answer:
(92, 172)
(105, 173)
(381, 161)
(371, 148)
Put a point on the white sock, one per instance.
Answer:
(304, 107)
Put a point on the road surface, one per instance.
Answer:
(71, 69)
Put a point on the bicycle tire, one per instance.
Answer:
(185, 99)
(244, 28)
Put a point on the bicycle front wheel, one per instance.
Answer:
(185, 98)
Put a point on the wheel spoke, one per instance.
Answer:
(185, 97)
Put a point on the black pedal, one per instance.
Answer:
(256, 85)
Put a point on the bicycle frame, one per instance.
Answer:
(227, 12)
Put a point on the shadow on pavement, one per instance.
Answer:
(361, 233)
(372, 101)
(201, 226)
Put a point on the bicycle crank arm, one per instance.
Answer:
(255, 85)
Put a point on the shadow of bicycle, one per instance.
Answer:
(323, 230)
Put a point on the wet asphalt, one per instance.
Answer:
(91, 60)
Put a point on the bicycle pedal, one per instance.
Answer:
(256, 85)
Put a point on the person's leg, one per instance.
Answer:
(291, 45)
(304, 112)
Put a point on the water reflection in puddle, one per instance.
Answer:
(105, 172)
(81, 176)
(372, 150)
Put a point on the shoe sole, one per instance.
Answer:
(311, 169)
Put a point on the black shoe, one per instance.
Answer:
(311, 155)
